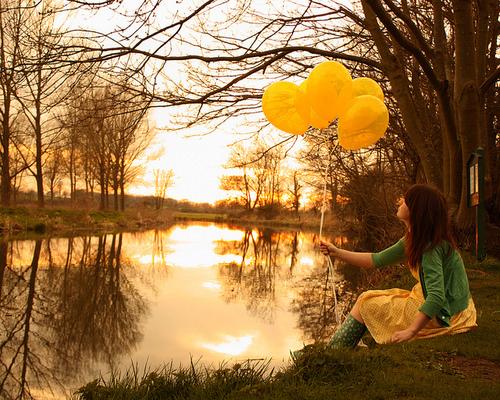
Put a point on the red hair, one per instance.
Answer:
(429, 222)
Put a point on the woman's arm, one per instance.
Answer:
(409, 333)
(392, 255)
(433, 282)
(363, 260)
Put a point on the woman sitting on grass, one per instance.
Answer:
(439, 304)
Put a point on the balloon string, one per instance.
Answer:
(330, 262)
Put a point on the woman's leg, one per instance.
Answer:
(351, 331)
(355, 312)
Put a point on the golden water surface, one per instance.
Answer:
(72, 309)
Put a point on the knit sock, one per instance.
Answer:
(348, 334)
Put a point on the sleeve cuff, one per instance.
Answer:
(430, 308)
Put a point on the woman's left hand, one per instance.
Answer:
(403, 336)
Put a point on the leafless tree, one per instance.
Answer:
(295, 191)
(45, 83)
(11, 21)
(258, 179)
(129, 137)
(53, 174)
(106, 131)
(163, 180)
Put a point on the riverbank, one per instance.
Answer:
(464, 366)
(28, 222)
(303, 221)
(31, 222)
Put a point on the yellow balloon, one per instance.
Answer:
(362, 86)
(329, 89)
(304, 108)
(278, 105)
(363, 123)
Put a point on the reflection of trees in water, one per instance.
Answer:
(58, 319)
(263, 255)
(158, 268)
(159, 250)
(98, 308)
(18, 316)
(151, 267)
(270, 255)
(315, 304)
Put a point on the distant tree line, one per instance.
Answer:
(359, 189)
(65, 121)
(259, 179)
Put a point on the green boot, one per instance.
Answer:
(348, 334)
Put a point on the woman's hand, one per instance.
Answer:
(403, 336)
(363, 260)
(327, 248)
(409, 333)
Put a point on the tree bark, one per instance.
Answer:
(39, 152)
(401, 91)
(6, 184)
(466, 97)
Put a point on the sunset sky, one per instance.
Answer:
(196, 160)
(195, 155)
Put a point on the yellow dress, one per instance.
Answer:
(388, 311)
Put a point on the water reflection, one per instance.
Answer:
(266, 257)
(97, 308)
(69, 307)
(266, 278)
(73, 308)
(314, 302)
(232, 346)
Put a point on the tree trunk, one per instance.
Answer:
(466, 98)
(115, 196)
(102, 203)
(71, 177)
(39, 172)
(431, 161)
(122, 197)
(468, 127)
(122, 187)
(5, 183)
(106, 191)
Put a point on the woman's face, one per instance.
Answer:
(403, 212)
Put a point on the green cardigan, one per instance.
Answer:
(442, 275)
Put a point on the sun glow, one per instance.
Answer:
(205, 240)
(196, 159)
(306, 261)
(231, 345)
(211, 285)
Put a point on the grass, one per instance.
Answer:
(199, 216)
(193, 381)
(286, 220)
(464, 366)
(31, 222)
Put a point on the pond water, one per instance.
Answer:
(72, 309)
